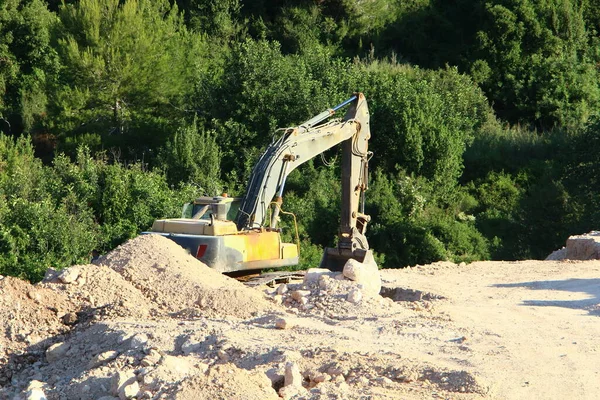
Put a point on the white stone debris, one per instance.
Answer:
(365, 274)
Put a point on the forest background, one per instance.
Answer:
(484, 119)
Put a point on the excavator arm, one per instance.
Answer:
(296, 146)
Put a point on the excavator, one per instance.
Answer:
(236, 235)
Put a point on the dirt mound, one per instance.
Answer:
(100, 287)
(180, 284)
(28, 315)
(227, 381)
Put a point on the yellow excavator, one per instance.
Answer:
(230, 234)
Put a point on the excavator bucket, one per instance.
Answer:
(334, 258)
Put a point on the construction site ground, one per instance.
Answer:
(153, 322)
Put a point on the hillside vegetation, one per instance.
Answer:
(484, 120)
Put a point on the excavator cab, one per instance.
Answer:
(222, 208)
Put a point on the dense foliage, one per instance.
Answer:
(484, 119)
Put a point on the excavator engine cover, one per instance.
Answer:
(335, 258)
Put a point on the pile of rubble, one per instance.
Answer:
(335, 295)
(579, 247)
(152, 322)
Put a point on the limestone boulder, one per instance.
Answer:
(365, 274)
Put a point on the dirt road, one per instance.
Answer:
(531, 328)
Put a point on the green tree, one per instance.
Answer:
(535, 60)
(581, 177)
(38, 230)
(260, 89)
(409, 227)
(126, 72)
(193, 156)
(538, 64)
(216, 18)
(28, 63)
(423, 120)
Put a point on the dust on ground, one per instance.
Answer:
(152, 322)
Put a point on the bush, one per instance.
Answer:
(38, 230)
(193, 156)
(38, 235)
(55, 216)
(410, 228)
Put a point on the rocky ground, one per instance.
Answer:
(152, 322)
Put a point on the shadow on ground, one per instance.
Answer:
(591, 287)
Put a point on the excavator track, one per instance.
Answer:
(272, 279)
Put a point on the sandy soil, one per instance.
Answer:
(530, 327)
(153, 322)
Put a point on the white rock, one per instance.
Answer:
(324, 282)
(289, 356)
(275, 375)
(35, 384)
(222, 354)
(103, 358)
(362, 380)
(178, 365)
(148, 380)
(364, 274)
(202, 367)
(152, 358)
(57, 351)
(190, 346)
(314, 274)
(283, 323)
(278, 299)
(292, 375)
(384, 380)
(343, 386)
(69, 275)
(336, 371)
(290, 392)
(584, 247)
(51, 276)
(559, 254)
(35, 394)
(354, 296)
(138, 340)
(281, 289)
(120, 380)
(298, 295)
(320, 378)
(33, 295)
(129, 391)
